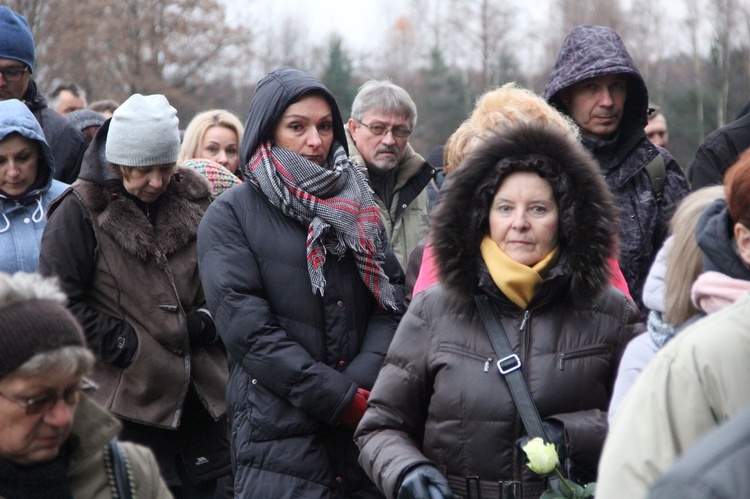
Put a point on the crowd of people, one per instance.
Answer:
(302, 305)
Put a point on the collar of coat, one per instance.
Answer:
(176, 225)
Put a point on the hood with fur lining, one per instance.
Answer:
(588, 216)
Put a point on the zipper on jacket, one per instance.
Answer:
(584, 352)
(525, 321)
(458, 351)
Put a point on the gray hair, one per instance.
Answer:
(23, 286)
(384, 96)
(54, 97)
(69, 360)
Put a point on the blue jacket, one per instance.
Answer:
(24, 217)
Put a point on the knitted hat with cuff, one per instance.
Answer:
(16, 40)
(143, 132)
(34, 326)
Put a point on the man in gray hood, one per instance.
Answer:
(597, 84)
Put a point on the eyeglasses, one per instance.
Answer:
(12, 75)
(44, 403)
(377, 129)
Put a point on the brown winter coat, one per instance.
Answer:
(439, 398)
(135, 276)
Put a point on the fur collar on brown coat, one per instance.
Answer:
(179, 213)
(588, 217)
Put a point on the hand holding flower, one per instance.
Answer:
(543, 460)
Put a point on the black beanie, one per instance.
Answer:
(34, 326)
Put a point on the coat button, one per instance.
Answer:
(340, 304)
(403, 206)
(254, 381)
(26, 220)
(338, 479)
(342, 363)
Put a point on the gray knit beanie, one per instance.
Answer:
(143, 132)
(84, 118)
(34, 326)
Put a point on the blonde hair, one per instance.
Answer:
(684, 259)
(498, 109)
(197, 127)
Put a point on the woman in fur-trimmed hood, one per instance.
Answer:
(122, 239)
(528, 223)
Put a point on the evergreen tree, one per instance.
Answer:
(442, 104)
(337, 76)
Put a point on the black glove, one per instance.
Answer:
(201, 328)
(424, 481)
(120, 350)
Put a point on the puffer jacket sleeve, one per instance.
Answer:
(381, 327)
(233, 285)
(68, 251)
(389, 434)
(585, 430)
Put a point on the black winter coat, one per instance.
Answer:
(439, 398)
(718, 152)
(296, 358)
(591, 51)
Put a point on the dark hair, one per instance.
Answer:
(547, 168)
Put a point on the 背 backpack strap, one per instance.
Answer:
(657, 174)
(121, 473)
(509, 367)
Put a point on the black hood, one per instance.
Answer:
(587, 215)
(715, 236)
(591, 51)
(274, 93)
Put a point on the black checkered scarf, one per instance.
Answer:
(337, 206)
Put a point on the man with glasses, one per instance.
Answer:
(383, 118)
(17, 54)
(54, 440)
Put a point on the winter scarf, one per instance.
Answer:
(713, 291)
(42, 481)
(517, 281)
(337, 206)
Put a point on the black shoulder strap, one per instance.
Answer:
(121, 470)
(509, 367)
(657, 174)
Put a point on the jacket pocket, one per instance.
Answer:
(455, 349)
(589, 351)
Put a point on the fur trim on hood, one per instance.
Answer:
(588, 216)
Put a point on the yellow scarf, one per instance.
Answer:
(517, 281)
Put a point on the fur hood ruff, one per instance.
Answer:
(588, 216)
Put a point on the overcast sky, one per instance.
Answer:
(359, 21)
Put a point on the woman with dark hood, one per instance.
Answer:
(306, 294)
(526, 227)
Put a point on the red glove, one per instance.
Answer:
(356, 409)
